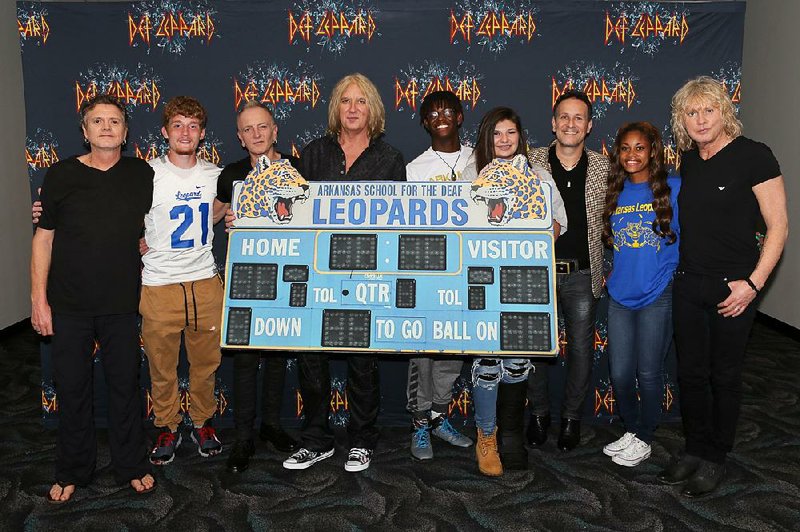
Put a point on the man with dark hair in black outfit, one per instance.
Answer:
(581, 176)
(258, 134)
(85, 288)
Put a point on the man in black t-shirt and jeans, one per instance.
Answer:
(581, 176)
(258, 134)
(729, 183)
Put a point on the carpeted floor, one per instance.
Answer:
(581, 490)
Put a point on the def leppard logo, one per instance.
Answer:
(645, 26)
(338, 402)
(41, 156)
(329, 24)
(491, 25)
(281, 87)
(146, 152)
(169, 26)
(185, 401)
(277, 91)
(33, 26)
(605, 401)
(600, 341)
(599, 90)
(332, 24)
(411, 93)
(460, 403)
(734, 89)
(136, 93)
(49, 400)
(209, 153)
(672, 157)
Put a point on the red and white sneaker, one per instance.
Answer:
(206, 439)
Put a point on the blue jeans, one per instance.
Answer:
(638, 341)
(487, 374)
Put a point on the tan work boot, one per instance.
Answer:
(488, 458)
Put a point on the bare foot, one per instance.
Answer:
(58, 494)
(141, 485)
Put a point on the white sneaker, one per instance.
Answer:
(634, 454)
(616, 447)
(358, 459)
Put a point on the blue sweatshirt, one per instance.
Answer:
(643, 262)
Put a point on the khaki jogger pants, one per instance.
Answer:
(192, 309)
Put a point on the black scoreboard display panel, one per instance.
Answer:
(422, 252)
(452, 291)
(353, 252)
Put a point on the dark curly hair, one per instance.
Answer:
(657, 180)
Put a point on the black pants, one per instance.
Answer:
(72, 349)
(578, 306)
(710, 358)
(245, 390)
(363, 401)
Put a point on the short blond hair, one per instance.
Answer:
(376, 122)
(704, 89)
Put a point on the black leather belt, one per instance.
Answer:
(565, 266)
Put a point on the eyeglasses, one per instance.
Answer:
(448, 113)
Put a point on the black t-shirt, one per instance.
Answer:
(237, 172)
(98, 218)
(719, 213)
(572, 185)
(324, 160)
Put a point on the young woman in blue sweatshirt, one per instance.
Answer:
(641, 226)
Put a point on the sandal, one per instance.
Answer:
(141, 481)
(63, 486)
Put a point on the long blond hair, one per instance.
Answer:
(376, 122)
(704, 89)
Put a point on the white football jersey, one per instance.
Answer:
(179, 226)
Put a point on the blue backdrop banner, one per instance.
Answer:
(629, 57)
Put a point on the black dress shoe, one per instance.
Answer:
(240, 455)
(278, 437)
(679, 470)
(570, 435)
(537, 429)
(705, 479)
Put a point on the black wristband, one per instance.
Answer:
(751, 284)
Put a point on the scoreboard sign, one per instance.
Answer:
(389, 267)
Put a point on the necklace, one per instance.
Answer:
(452, 168)
(568, 167)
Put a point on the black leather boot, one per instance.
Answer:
(705, 480)
(537, 429)
(239, 458)
(510, 422)
(679, 470)
(570, 435)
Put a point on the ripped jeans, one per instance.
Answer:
(487, 374)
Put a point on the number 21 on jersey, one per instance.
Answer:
(186, 214)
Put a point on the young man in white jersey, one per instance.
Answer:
(430, 380)
(181, 291)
